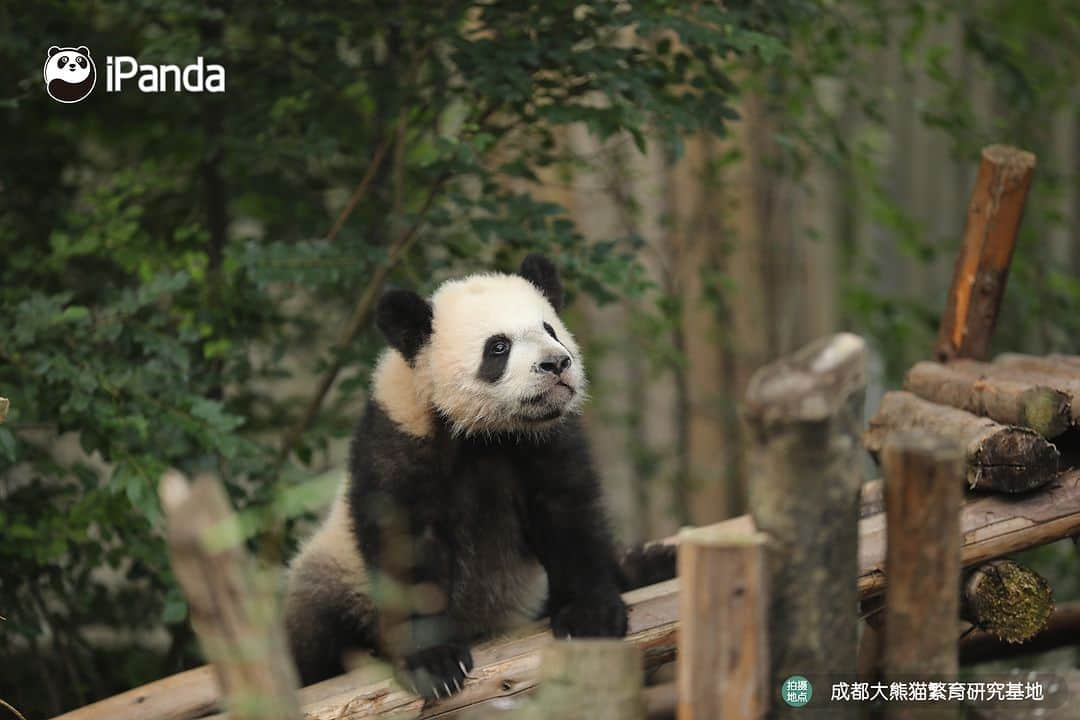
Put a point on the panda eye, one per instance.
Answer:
(551, 331)
(497, 346)
(63, 60)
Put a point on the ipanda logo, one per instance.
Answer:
(70, 75)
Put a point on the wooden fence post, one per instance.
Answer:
(982, 267)
(805, 462)
(723, 663)
(595, 679)
(233, 606)
(923, 493)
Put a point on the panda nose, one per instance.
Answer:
(71, 66)
(556, 364)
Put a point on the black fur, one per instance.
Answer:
(493, 363)
(461, 513)
(405, 319)
(540, 271)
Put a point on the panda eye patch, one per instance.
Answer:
(551, 331)
(497, 345)
(62, 60)
(81, 61)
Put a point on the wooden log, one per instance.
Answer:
(1065, 366)
(4, 405)
(1010, 401)
(982, 267)
(803, 414)
(999, 457)
(923, 495)
(1062, 382)
(991, 526)
(183, 696)
(233, 608)
(599, 679)
(1062, 630)
(1008, 600)
(723, 663)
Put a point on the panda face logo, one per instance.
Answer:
(70, 73)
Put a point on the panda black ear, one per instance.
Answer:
(53, 50)
(541, 272)
(84, 50)
(405, 320)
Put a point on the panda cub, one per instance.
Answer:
(471, 505)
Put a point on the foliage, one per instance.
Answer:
(169, 264)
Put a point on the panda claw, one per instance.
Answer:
(463, 670)
(436, 691)
(446, 687)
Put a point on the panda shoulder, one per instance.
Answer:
(395, 390)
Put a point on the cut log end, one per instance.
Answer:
(810, 385)
(1012, 160)
(1008, 600)
(1013, 460)
(4, 405)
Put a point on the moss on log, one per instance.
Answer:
(1006, 599)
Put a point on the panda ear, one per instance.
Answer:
(84, 50)
(405, 320)
(541, 272)
(53, 50)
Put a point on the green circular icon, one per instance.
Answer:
(796, 691)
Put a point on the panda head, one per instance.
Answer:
(70, 73)
(488, 352)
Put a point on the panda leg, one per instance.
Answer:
(323, 618)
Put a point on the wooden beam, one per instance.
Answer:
(803, 415)
(923, 498)
(982, 267)
(991, 526)
(999, 457)
(183, 696)
(232, 605)
(1008, 400)
(723, 663)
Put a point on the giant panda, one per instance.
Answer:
(471, 504)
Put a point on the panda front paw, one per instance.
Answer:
(436, 672)
(596, 616)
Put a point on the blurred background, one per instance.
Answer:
(186, 279)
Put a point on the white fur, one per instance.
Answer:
(335, 542)
(394, 388)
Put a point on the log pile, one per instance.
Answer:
(1015, 418)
